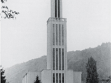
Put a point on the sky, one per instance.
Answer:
(25, 38)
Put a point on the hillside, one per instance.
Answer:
(76, 61)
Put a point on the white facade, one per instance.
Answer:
(73, 77)
(46, 76)
(30, 77)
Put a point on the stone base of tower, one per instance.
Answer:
(71, 77)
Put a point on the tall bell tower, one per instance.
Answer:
(56, 43)
(56, 71)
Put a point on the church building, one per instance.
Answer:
(57, 71)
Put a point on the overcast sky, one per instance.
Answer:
(25, 38)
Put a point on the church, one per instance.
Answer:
(57, 71)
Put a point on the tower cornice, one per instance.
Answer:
(53, 19)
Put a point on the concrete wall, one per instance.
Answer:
(49, 45)
(69, 76)
(46, 76)
(77, 77)
(73, 77)
(24, 80)
(30, 77)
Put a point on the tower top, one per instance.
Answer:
(56, 8)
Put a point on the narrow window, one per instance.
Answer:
(56, 59)
(56, 35)
(53, 78)
(59, 59)
(62, 78)
(59, 77)
(53, 58)
(59, 8)
(62, 35)
(55, 8)
(59, 34)
(62, 59)
(53, 35)
(56, 77)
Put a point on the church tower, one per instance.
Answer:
(56, 71)
(56, 43)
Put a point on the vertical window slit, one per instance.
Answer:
(59, 34)
(56, 58)
(53, 78)
(53, 35)
(62, 59)
(59, 77)
(62, 35)
(59, 8)
(53, 58)
(56, 77)
(62, 77)
(55, 8)
(56, 35)
(59, 58)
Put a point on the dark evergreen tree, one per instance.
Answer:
(3, 80)
(92, 75)
(37, 80)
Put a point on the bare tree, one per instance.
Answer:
(6, 12)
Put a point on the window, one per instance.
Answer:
(62, 35)
(55, 8)
(59, 34)
(56, 77)
(56, 59)
(53, 35)
(62, 77)
(62, 59)
(59, 77)
(53, 78)
(56, 35)
(53, 58)
(59, 8)
(59, 59)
